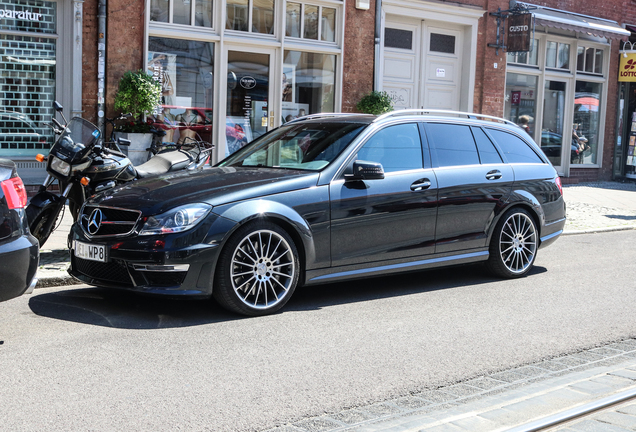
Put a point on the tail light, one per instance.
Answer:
(558, 183)
(15, 193)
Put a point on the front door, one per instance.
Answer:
(248, 107)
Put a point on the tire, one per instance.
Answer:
(38, 218)
(514, 244)
(258, 270)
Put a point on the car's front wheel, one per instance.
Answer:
(258, 270)
(513, 247)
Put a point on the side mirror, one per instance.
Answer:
(363, 170)
(123, 142)
(57, 106)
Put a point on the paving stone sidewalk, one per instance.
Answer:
(502, 400)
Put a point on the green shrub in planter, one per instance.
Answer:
(375, 103)
(139, 93)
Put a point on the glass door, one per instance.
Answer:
(556, 137)
(248, 103)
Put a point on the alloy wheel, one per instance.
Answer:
(518, 243)
(263, 269)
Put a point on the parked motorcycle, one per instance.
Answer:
(84, 165)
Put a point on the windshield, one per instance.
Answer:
(306, 146)
(78, 135)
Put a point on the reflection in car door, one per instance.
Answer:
(471, 185)
(391, 218)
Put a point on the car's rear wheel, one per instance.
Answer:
(258, 270)
(513, 247)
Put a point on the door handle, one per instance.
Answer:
(494, 175)
(420, 184)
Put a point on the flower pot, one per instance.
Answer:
(137, 152)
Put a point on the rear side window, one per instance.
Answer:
(514, 148)
(397, 148)
(454, 144)
(487, 151)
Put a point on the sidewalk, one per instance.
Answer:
(592, 207)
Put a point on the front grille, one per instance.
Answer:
(109, 221)
(110, 271)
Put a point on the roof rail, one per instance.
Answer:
(446, 112)
(323, 115)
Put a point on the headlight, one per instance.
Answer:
(58, 165)
(176, 220)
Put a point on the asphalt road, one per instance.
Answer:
(77, 358)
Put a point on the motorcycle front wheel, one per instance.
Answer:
(38, 218)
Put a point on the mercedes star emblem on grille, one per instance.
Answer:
(95, 221)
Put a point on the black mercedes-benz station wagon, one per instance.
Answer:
(327, 198)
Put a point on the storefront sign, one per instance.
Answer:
(627, 67)
(519, 33)
(247, 82)
(516, 98)
(21, 15)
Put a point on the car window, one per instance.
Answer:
(514, 148)
(397, 148)
(454, 144)
(488, 154)
(306, 146)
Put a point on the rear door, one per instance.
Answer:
(472, 180)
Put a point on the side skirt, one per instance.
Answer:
(354, 272)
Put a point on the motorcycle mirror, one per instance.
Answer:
(57, 106)
(123, 142)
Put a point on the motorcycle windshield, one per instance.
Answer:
(80, 131)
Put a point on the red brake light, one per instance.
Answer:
(558, 183)
(15, 193)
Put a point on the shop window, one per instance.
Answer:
(310, 22)
(185, 70)
(586, 127)
(589, 60)
(529, 58)
(255, 16)
(557, 55)
(308, 84)
(182, 12)
(28, 78)
(521, 100)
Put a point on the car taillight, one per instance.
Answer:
(15, 193)
(558, 183)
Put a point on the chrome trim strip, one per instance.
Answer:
(31, 287)
(548, 237)
(402, 265)
(556, 222)
(162, 268)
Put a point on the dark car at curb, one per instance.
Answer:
(19, 250)
(327, 198)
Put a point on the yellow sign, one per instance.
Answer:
(627, 68)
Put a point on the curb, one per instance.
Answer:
(599, 230)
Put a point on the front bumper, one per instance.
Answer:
(19, 260)
(153, 264)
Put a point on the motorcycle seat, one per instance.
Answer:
(164, 162)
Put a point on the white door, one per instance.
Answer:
(401, 68)
(441, 71)
(422, 64)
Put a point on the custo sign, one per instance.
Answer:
(20, 15)
(627, 67)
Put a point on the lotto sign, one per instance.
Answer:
(627, 67)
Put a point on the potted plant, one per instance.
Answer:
(138, 93)
(375, 103)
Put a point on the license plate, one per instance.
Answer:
(91, 252)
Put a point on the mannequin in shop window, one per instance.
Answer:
(188, 121)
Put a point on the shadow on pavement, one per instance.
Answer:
(127, 310)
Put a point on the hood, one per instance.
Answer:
(214, 186)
